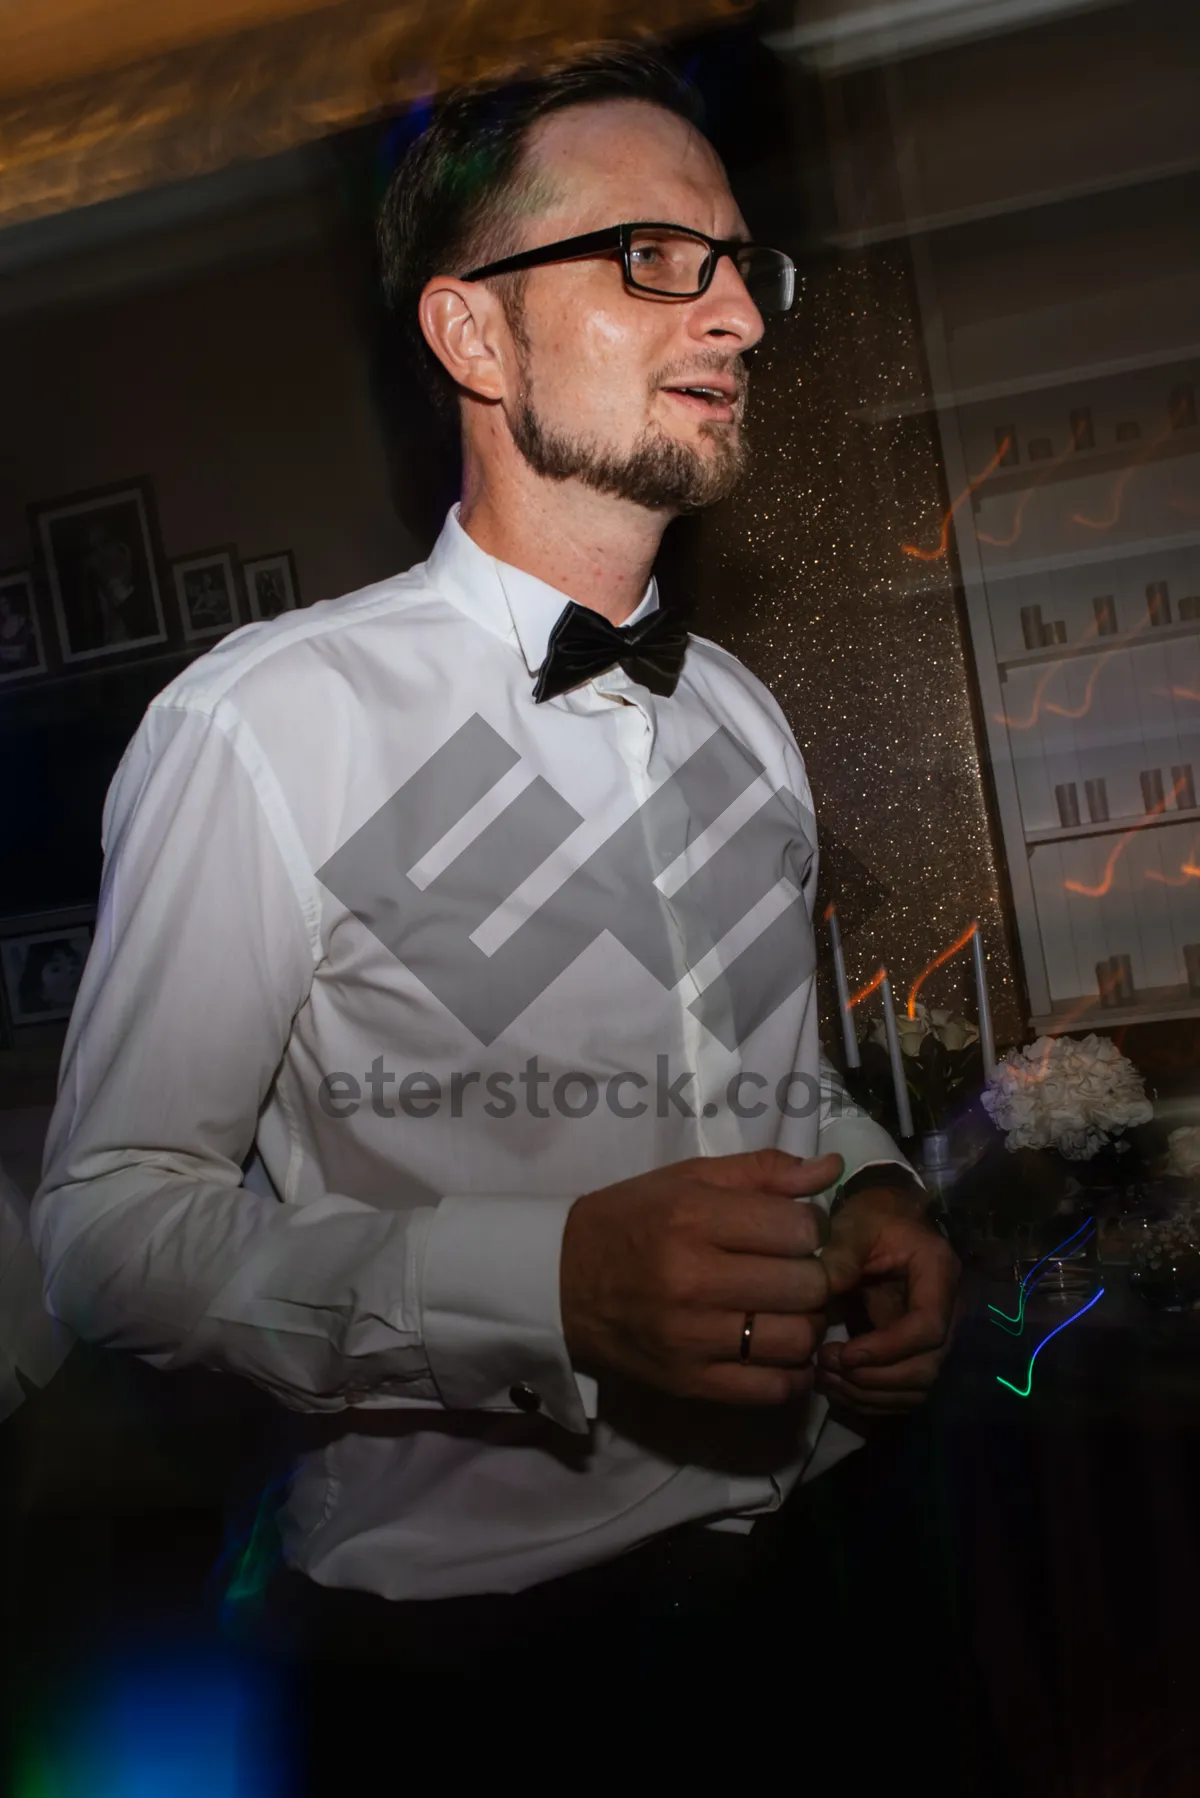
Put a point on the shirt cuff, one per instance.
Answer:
(861, 1143)
(491, 1317)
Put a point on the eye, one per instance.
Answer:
(645, 255)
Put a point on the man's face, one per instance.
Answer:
(603, 370)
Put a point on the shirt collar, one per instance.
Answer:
(507, 601)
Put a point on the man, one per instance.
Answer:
(489, 930)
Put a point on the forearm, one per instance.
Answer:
(314, 1304)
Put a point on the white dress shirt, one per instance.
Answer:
(328, 939)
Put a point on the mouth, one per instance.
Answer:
(714, 401)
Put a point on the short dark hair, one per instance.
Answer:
(448, 205)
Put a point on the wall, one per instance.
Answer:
(228, 358)
(244, 396)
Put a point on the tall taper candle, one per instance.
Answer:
(987, 1036)
(849, 1034)
(899, 1081)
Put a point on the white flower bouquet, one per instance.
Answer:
(943, 1067)
(1071, 1096)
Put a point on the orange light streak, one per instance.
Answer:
(1182, 693)
(1120, 846)
(1106, 524)
(1061, 711)
(866, 991)
(923, 976)
(1017, 524)
(935, 555)
(1187, 871)
(1023, 503)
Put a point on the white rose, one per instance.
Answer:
(953, 1033)
(911, 1031)
(1183, 1151)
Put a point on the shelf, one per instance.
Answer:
(1084, 462)
(1083, 558)
(1098, 646)
(987, 392)
(1112, 827)
(1156, 1005)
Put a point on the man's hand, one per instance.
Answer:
(907, 1276)
(658, 1274)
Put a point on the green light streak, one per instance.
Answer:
(1023, 1392)
(1014, 1325)
(1029, 1282)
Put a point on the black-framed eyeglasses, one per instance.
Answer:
(671, 261)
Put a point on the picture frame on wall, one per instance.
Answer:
(22, 650)
(271, 584)
(206, 589)
(41, 964)
(101, 560)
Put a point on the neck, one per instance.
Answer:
(595, 548)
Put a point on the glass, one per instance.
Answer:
(669, 260)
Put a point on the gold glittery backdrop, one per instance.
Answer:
(803, 575)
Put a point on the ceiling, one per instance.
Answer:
(105, 97)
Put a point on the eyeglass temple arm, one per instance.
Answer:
(608, 239)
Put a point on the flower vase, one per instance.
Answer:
(937, 1163)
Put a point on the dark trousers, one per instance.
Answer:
(832, 1631)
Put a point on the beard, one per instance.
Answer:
(658, 473)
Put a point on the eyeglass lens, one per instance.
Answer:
(669, 262)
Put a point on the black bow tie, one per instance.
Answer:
(583, 644)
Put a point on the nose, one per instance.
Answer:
(727, 312)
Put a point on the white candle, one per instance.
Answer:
(899, 1081)
(987, 1038)
(849, 1034)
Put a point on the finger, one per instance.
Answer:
(741, 1283)
(914, 1375)
(772, 1170)
(843, 1269)
(778, 1341)
(729, 1383)
(762, 1223)
(932, 1276)
(874, 1404)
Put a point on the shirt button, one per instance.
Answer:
(524, 1397)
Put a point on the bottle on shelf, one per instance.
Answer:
(1105, 609)
(1191, 962)
(1182, 407)
(1097, 800)
(1158, 603)
(1083, 433)
(1066, 797)
(1032, 628)
(1184, 785)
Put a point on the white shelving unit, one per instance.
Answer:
(1094, 519)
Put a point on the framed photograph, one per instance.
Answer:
(41, 964)
(271, 584)
(206, 587)
(22, 651)
(101, 568)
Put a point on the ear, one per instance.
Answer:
(464, 325)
